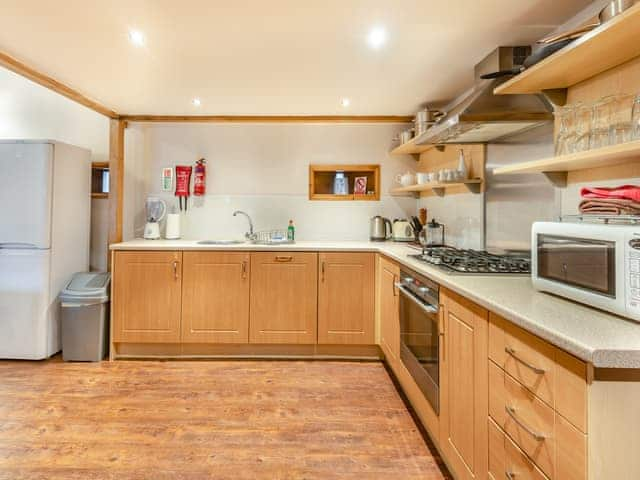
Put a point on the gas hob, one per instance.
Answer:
(477, 262)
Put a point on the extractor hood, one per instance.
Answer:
(479, 116)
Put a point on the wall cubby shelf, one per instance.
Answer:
(605, 47)
(556, 168)
(474, 185)
(321, 181)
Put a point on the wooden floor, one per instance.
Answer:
(207, 420)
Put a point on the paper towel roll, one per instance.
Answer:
(172, 231)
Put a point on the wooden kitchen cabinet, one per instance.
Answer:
(389, 274)
(215, 297)
(346, 296)
(284, 297)
(147, 297)
(464, 386)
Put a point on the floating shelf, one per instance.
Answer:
(556, 168)
(605, 47)
(410, 148)
(474, 185)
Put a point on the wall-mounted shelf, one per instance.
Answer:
(605, 47)
(556, 168)
(410, 148)
(474, 185)
(321, 179)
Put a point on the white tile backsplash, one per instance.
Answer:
(263, 169)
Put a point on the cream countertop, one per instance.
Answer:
(605, 340)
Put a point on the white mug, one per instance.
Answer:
(422, 178)
(405, 179)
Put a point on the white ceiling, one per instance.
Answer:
(269, 57)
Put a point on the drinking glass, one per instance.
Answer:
(566, 131)
(601, 119)
(620, 128)
(582, 129)
(635, 118)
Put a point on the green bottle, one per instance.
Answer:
(291, 232)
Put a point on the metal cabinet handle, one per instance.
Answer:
(282, 258)
(244, 269)
(511, 411)
(512, 352)
(322, 270)
(396, 290)
(175, 269)
(441, 331)
(510, 475)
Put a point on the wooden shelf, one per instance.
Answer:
(474, 185)
(410, 148)
(321, 181)
(605, 47)
(556, 168)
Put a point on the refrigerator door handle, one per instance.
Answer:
(20, 245)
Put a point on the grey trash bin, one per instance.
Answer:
(85, 317)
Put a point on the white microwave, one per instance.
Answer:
(594, 264)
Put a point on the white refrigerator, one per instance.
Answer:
(45, 210)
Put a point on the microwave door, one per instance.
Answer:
(581, 263)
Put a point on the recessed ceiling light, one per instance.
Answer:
(377, 37)
(136, 37)
(345, 102)
(196, 102)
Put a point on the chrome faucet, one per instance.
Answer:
(249, 235)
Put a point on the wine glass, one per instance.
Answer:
(635, 118)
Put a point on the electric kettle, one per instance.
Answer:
(380, 229)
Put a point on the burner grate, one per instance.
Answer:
(475, 261)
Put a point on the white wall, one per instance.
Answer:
(30, 111)
(262, 169)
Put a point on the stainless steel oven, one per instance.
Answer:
(419, 335)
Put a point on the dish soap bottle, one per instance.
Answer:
(291, 232)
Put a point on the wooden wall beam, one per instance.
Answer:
(269, 118)
(116, 181)
(46, 81)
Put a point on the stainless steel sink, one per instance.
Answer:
(221, 242)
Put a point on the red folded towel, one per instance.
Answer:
(626, 192)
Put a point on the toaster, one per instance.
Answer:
(402, 231)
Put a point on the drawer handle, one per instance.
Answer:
(511, 411)
(512, 352)
(282, 258)
(510, 475)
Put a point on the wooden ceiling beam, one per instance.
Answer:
(269, 118)
(46, 81)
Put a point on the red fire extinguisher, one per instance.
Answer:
(200, 178)
(183, 181)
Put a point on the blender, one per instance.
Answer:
(156, 209)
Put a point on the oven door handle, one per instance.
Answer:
(427, 308)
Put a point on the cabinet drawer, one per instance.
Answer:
(517, 465)
(554, 376)
(530, 423)
(526, 418)
(561, 454)
(507, 461)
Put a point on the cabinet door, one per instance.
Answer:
(215, 297)
(284, 298)
(147, 297)
(464, 387)
(389, 274)
(346, 298)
